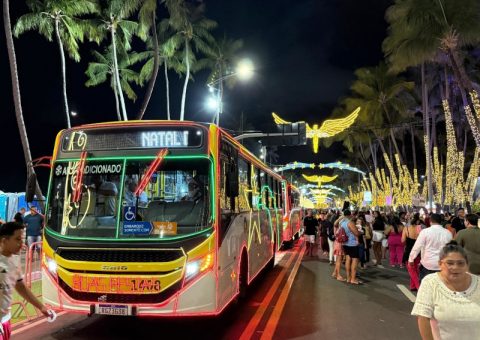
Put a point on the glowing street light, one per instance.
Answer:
(213, 104)
(243, 71)
(73, 113)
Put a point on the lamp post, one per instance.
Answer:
(244, 71)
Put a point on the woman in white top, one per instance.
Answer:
(448, 302)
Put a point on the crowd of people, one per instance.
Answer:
(441, 253)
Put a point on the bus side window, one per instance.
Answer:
(250, 184)
(243, 199)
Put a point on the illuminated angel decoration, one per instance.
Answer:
(320, 179)
(329, 128)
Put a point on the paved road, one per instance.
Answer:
(307, 304)
(320, 307)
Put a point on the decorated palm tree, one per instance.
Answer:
(120, 30)
(220, 60)
(191, 32)
(104, 69)
(62, 19)
(384, 99)
(160, 50)
(421, 30)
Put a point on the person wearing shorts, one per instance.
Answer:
(353, 252)
(310, 224)
(351, 248)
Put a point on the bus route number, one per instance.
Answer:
(145, 285)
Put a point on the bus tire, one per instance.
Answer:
(243, 277)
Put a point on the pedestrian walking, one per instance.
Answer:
(377, 237)
(448, 303)
(330, 239)
(429, 242)
(469, 239)
(350, 248)
(409, 236)
(325, 225)
(458, 222)
(338, 251)
(19, 216)
(368, 238)
(310, 224)
(360, 225)
(393, 233)
(34, 223)
(11, 276)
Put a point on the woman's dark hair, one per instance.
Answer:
(378, 223)
(453, 247)
(396, 223)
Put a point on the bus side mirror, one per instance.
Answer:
(31, 186)
(232, 184)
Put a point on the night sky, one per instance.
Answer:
(304, 52)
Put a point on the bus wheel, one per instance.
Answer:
(243, 277)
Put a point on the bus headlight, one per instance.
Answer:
(51, 265)
(198, 266)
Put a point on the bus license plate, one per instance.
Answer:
(106, 309)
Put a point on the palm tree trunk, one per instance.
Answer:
(220, 101)
(64, 73)
(187, 77)
(364, 160)
(447, 86)
(167, 87)
(426, 125)
(373, 151)
(117, 104)
(382, 146)
(433, 141)
(156, 65)
(392, 135)
(414, 151)
(16, 96)
(117, 75)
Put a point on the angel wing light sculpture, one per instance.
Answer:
(329, 128)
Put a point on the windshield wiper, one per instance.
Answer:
(148, 174)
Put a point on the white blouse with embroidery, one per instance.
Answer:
(453, 315)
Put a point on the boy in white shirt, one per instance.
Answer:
(11, 241)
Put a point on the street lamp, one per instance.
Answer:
(244, 71)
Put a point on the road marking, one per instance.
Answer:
(407, 293)
(33, 324)
(277, 311)
(257, 317)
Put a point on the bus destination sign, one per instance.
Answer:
(133, 138)
(165, 139)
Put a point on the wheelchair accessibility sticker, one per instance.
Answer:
(129, 213)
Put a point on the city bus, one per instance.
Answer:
(157, 218)
(292, 218)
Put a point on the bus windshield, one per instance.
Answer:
(130, 199)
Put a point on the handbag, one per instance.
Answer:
(378, 236)
(341, 236)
